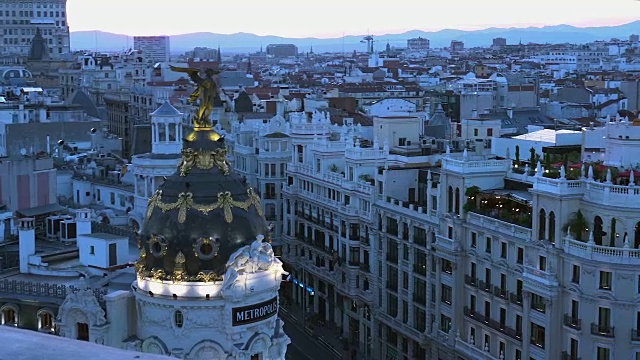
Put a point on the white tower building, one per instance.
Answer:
(150, 169)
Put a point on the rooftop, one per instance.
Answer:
(19, 344)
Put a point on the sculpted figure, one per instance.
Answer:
(206, 91)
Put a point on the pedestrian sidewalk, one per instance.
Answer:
(328, 337)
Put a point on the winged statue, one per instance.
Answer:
(206, 91)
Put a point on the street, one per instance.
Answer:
(303, 346)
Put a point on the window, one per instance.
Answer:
(537, 335)
(474, 244)
(92, 250)
(446, 294)
(603, 353)
(490, 132)
(475, 132)
(402, 142)
(445, 323)
(178, 318)
(605, 280)
(543, 263)
(520, 257)
(488, 245)
(503, 249)
(575, 276)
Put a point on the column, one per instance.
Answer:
(135, 185)
(166, 132)
(438, 292)
(526, 324)
(146, 187)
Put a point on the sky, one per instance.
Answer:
(335, 18)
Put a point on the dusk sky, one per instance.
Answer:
(333, 18)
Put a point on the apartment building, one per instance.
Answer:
(156, 48)
(473, 259)
(20, 20)
(260, 147)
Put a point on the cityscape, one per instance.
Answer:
(390, 198)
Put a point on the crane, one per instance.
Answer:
(369, 41)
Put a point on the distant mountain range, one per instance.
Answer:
(244, 42)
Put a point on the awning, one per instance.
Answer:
(41, 210)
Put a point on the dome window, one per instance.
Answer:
(178, 318)
(207, 248)
(157, 246)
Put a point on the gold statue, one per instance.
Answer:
(187, 162)
(220, 160)
(206, 90)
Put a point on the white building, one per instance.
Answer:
(156, 48)
(19, 21)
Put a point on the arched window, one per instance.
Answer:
(457, 201)
(450, 199)
(597, 230)
(178, 318)
(542, 224)
(552, 227)
(46, 320)
(636, 237)
(9, 315)
(612, 233)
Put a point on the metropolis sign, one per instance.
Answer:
(253, 313)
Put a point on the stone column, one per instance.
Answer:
(526, 324)
(166, 132)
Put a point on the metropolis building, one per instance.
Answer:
(199, 281)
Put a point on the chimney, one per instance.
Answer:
(27, 242)
(591, 125)
(510, 113)
(280, 107)
(474, 114)
(83, 221)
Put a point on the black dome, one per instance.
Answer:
(204, 212)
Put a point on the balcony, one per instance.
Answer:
(567, 356)
(515, 299)
(445, 243)
(605, 254)
(495, 325)
(332, 178)
(485, 286)
(404, 207)
(500, 292)
(470, 280)
(602, 330)
(558, 186)
(539, 281)
(501, 227)
(474, 166)
(572, 322)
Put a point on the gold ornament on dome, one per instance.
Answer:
(206, 248)
(140, 266)
(178, 268)
(207, 276)
(185, 201)
(157, 245)
(157, 274)
(203, 160)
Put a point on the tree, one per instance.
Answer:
(532, 160)
(472, 198)
(577, 225)
(547, 162)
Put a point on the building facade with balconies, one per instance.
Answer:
(475, 258)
